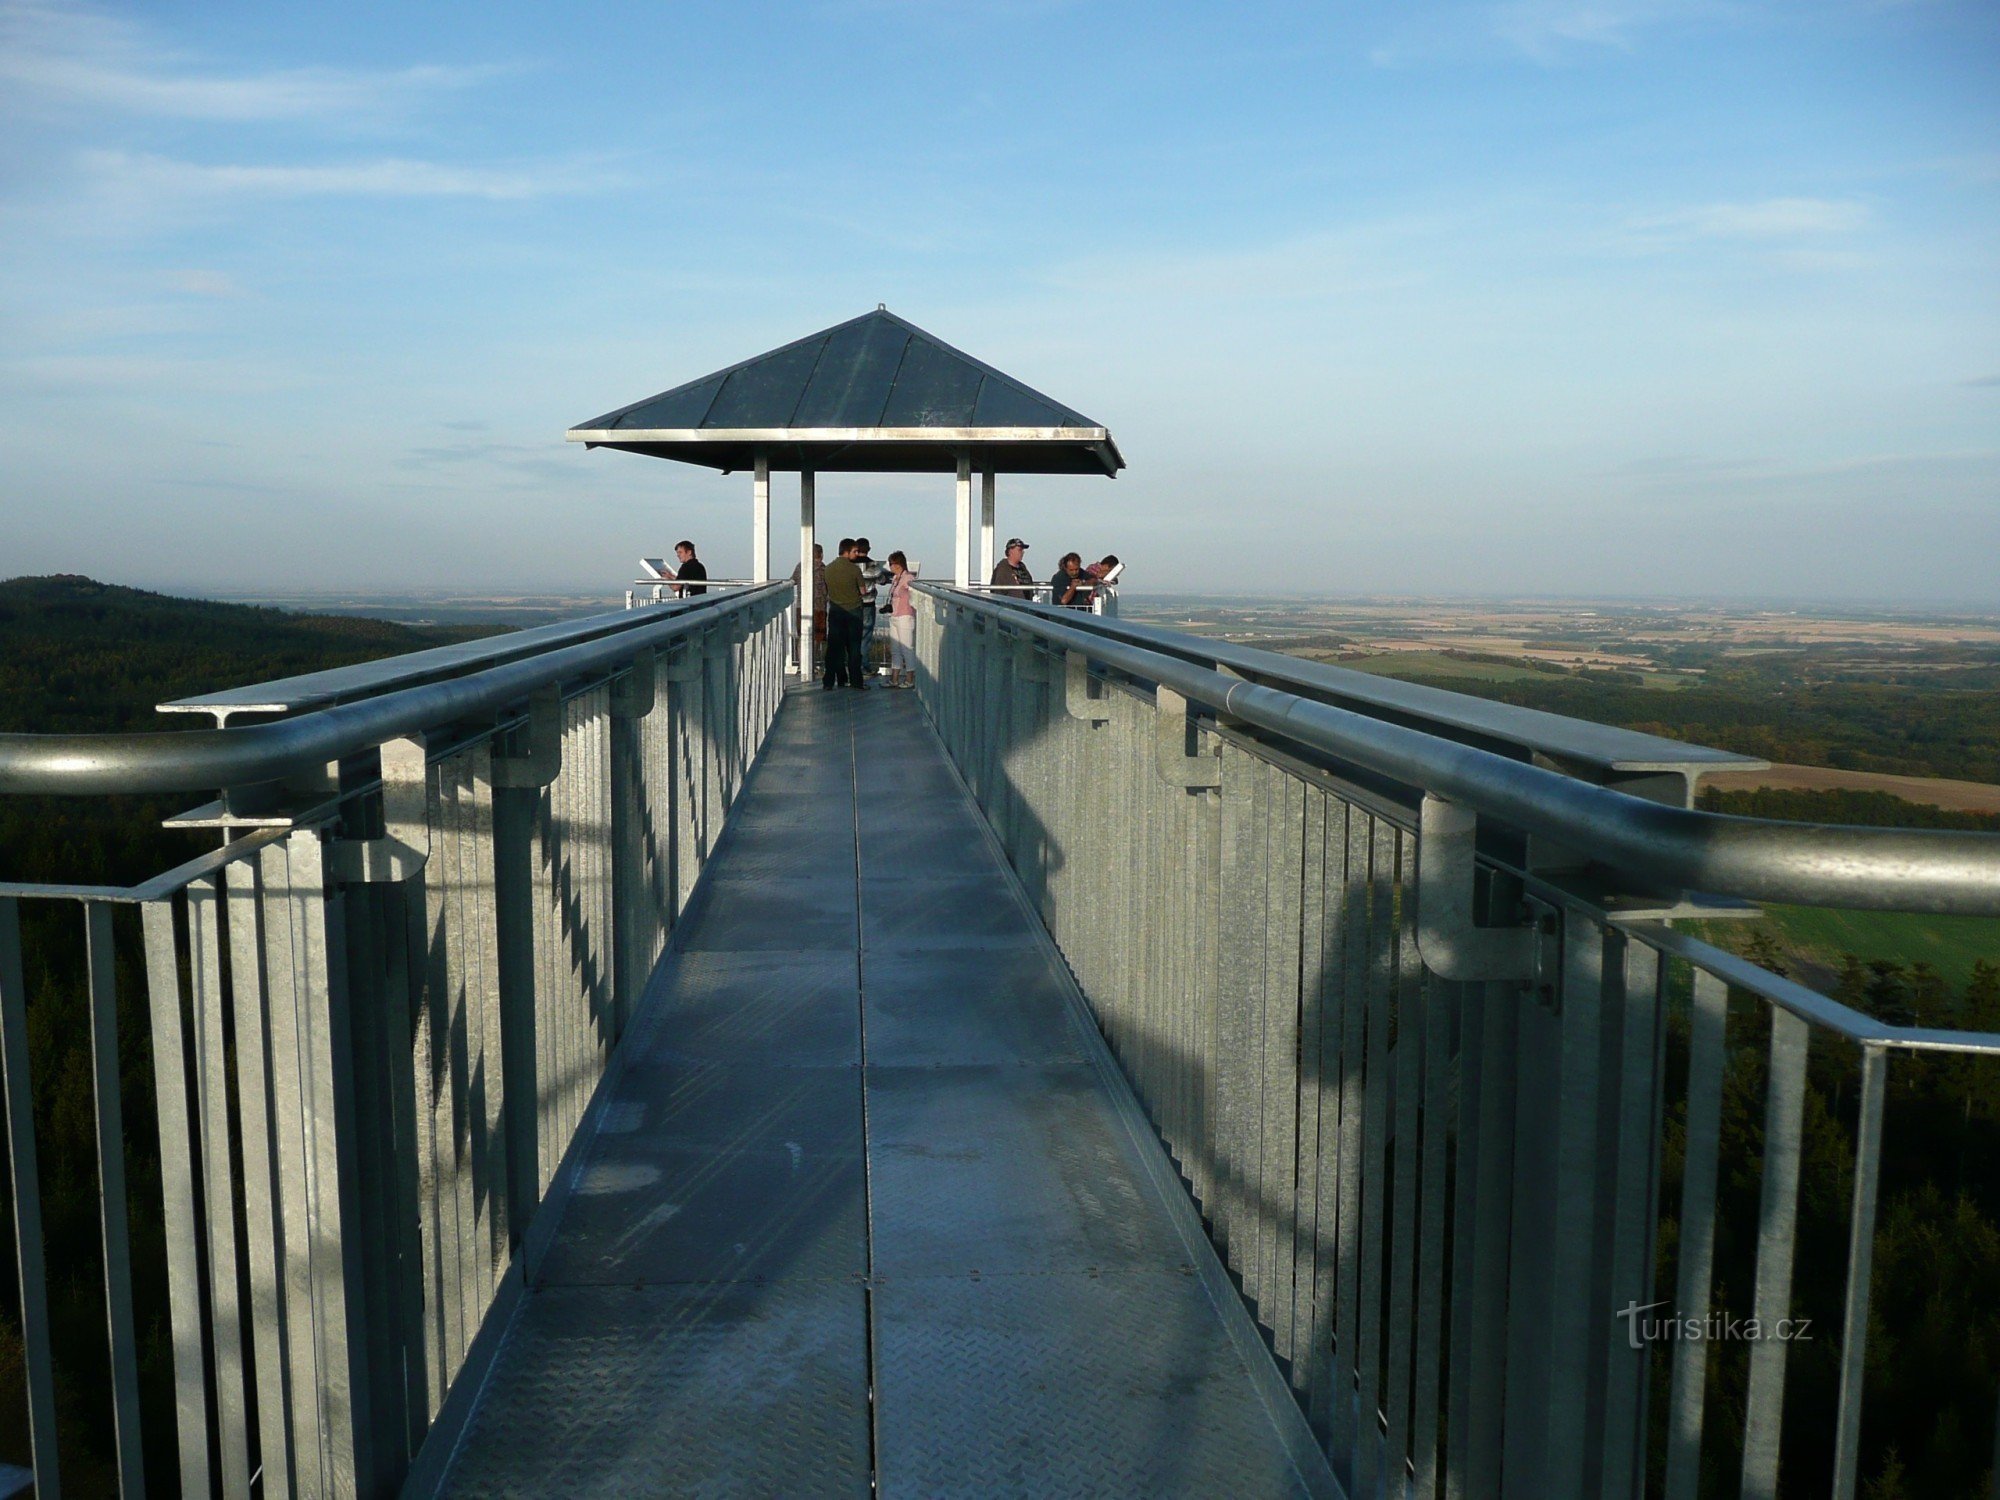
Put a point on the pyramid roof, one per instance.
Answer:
(876, 393)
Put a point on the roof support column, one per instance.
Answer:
(962, 556)
(760, 522)
(986, 524)
(808, 521)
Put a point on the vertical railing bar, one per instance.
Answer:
(1466, 1144)
(492, 1073)
(1233, 1008)
(1440, 1003)
(1279, 1173)
(113, 1220)
(1784, 1108)
(1332, 1001)
(285, 985)
(1697, 1233)
(458, 1229)
(1633, 1214)
(1576, 1337)
(491, 1101)
(1492, 1236)
(178, 1193)
(260, 1202)
(336, 1290)
(1860, 1267)
(1308, 1362)
(1356, 960)
(1253, 1223)
(428, 1066)
(22, 1164)
(1381, 968)
(402, 959)
(1411, 1017)
(226, 1330)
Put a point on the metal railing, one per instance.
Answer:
(1406, 1007)
(376, 1018)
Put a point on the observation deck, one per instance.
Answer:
(869, 1200)
(592, 1062)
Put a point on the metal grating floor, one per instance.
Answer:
(866, 1207)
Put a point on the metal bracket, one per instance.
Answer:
(405, 847)
(632, 690)
(1451, 945)
(1076, 690)
(686, 663)
(1174, 731)
(1229, 721)
(544, 729)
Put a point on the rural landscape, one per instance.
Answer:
(1884, 717)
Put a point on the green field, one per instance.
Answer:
(1948, 944)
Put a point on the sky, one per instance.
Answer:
(1556, 297)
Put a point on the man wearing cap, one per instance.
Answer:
(1011, 575)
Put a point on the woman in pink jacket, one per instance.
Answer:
(902, 624)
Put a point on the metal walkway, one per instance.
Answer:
(868, 1200)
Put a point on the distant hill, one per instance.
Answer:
(78, 656)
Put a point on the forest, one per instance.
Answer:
(79, 656)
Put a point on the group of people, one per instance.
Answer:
(855, 591)
(1074, 584)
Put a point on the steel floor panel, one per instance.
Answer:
(779, 914)
(1113, 1385)
(904, 854)
(928, 1008)
(741, 1106)
(1000, 1169)
(653, 1214)
(751, 1390)
(949, 911)
(779, 1009)
(865, 1162)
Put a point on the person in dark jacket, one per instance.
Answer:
(1067, 585)
(1011, 575)
(843, 621)
(691, 568)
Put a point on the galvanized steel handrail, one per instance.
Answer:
(1882, 869)
(198, 760)
(377, 1031)
(1456, 715)
(1456, 1200)
(367, 679)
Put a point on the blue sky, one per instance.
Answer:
(1633, 296)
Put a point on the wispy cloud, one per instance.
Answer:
(1984, 382)
(195, 281)
(74, 55)
(1548, 31)
(518, 463)
(390, 177)
(1771, 219)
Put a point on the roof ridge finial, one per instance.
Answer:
(881, 307)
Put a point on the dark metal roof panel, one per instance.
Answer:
(765, 392)
(1005, 403)
(685, 406)
(850, 387)
(936, 387)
